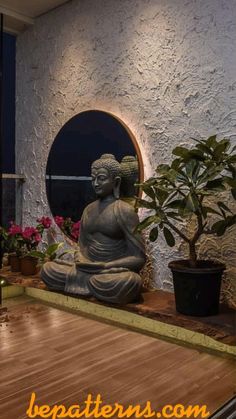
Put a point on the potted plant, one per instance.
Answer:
(70, 228)
(189, 190)
(50, 253)
(13, 245)
(4, 246)
(32, 237)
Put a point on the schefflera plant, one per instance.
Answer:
(188, 190)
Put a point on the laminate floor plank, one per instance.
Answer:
(63, 357)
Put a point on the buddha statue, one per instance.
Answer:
(110, 254)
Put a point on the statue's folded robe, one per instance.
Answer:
(122, 287)
(87, 278)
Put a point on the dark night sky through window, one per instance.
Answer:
(9, 52)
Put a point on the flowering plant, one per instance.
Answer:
(4, 240)
(22, 240)
(44, 223)
(70, 228)
(31, 237)
(13, 239)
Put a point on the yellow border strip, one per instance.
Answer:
(134, 321)
(12, 291)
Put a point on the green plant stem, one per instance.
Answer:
(193, 241)
(192, 255)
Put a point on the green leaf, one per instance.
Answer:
(173, 175)
(153, 234)
(196, 171)
(173, 215)
(222, 206)
(142, 203)
(180, 151)
(211, 141)
(232, 170)
(162, 169)
(37, 254)
(231, 182)
(221, 147)
(216, 184)
(66, 252)
(204, 148)
(176, 204)
(195, 154)
(219, 227)
(176, 164)
(161, 194)
(147, 222)
(52, 248)
(170, 240)
(148, 191)
(232, 159)
(233, 192)
(231, 220)
(150, 182)
(210, 210)
(190, 167)
(192, 202)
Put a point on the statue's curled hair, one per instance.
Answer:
(108, 162)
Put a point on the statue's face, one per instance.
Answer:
(102, 182)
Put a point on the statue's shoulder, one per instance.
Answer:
(89, 208)
(124, 206)
(127, 211)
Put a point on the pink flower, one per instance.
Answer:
(14, 229)
(75, 230)
(37, 237)
(29, 232)
(59, 220)
(45, 221)
(31, 237)
(77, 225)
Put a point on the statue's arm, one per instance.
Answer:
(130, 263)
(135, 258)
(81, 259)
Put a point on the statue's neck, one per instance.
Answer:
(107, 199)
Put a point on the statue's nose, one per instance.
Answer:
(96, 182)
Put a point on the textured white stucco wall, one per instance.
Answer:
(165, 67)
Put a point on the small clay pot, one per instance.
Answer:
(28, 265)
(6, 259)
(14, 262)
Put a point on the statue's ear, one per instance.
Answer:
(116, 187)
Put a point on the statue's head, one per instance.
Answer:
(106, 176)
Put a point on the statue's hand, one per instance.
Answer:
(91, 267)
(113, 270)
(79, 257)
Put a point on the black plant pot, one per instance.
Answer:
(197, 290)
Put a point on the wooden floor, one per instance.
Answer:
(158, 305)
(63, 357)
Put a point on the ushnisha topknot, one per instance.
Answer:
(108, 162)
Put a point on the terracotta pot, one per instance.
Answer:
(14, 262)
(28, 265)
